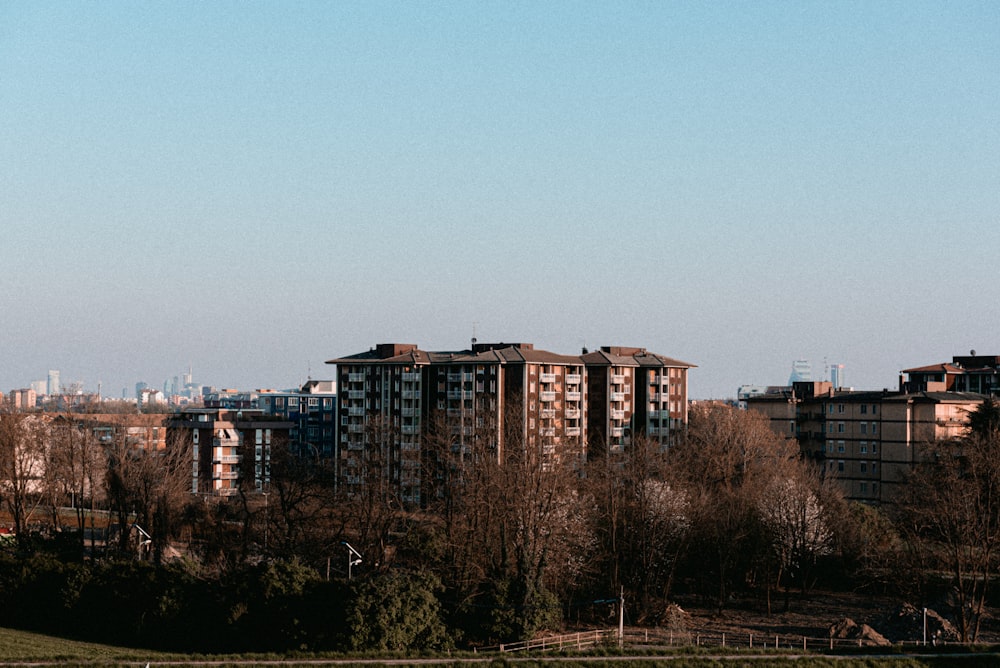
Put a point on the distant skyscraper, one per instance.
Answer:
(53, 384)
(801, 371)
(837, 376)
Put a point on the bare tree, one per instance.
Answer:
(728, 461)
(23, 443)
(951, 507)
(146, 487)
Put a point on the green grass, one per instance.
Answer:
(25, 646)
(41, 650)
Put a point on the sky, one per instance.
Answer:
(252, 189)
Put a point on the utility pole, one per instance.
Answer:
(621, 619)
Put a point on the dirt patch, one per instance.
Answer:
(817, 615)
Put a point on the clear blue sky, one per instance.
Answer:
(256, 187)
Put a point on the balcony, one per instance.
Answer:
(356, 411)
(573, 396)
(410, 412)
(411, 377)
(548, 413)
(355, 429)
(546, 396)
(547, 378)
(228, 475)
(617, 415)
(410, 394)
(617, 379)
(572, 431)
(617, 432)
(410, 429)
(226, 459)
(459, 394)
(355, 378)
(355, 394)
(454, 378)
(617, 396)
(573, 379)
(549, 433)
(573, 413)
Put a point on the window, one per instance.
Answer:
(840, 446)
(874, 409)
(864, 427)
(791, 426)
(830, 409)
(864, 409)
(864, 467)
(829, 428)
(279, 402)
(327, 402)
(829, 446)
(864, 488)
(840, 408)
(314, 401)
(840, 465)
(840, 427)
(874, 447)
(874, 427)
(863, 447)
(293, 401)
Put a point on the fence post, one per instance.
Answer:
(723, 639)
(775, 641)
(697, 640)
(831, 642)
(803, 643)
(751, 641)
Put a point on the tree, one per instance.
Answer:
(145, 486)
(951, 506)
(23, 444)
(727, 463)
(641, 521)
(397, 611)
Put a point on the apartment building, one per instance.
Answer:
(632, 391)
(966, 373)
(505, 394)
(869, 440)
(229, 448)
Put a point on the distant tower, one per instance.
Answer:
(53, 384)
(837, 376)
(801, 371)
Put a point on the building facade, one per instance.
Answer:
(867, 441)
(507, 395)
(229, 449)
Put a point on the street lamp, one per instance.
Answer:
(351, 561)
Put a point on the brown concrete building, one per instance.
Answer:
(506, 394)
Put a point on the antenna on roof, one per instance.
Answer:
(474, 323)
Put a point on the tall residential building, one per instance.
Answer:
(53, 388)
(509, 395)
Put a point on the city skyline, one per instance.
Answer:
(256, 189)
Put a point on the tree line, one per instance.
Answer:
(504, 545)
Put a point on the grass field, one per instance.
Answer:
(32, 649)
